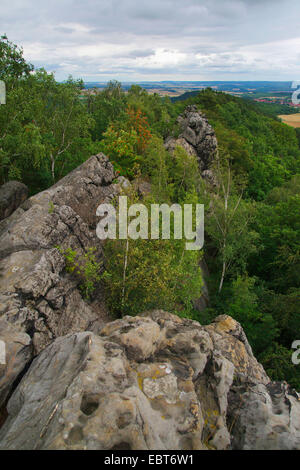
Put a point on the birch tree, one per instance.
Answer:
(228, 223)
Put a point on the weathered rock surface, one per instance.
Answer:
(38, 301)
(12, 194)
(197, 138)
(142, 187)
(151, 382)
(264, 417)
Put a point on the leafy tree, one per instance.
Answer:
(156, 166)
(12, 63)
(125, 142)
(107, 107)
(146, 274)
(184, 175)
(228, 224)
(279, 229)
(277, 361)
(266, 173)
(41, 127)
(244, 307)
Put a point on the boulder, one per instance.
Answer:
(12, 194)
(151, 382)
(39, 301)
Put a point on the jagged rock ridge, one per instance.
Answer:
(38, 300)
(197, 137)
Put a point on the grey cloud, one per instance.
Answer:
(141, 53)
(128, 36)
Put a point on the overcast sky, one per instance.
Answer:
(136, 40)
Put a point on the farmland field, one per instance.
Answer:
(291, 119)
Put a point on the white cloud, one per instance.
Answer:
(169, 39)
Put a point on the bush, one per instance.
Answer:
(85, 267)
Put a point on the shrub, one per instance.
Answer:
(85, 267)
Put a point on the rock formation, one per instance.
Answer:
(151, 382)
(38, 300)
(12, 194)
(197, 137)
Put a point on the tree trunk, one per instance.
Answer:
(52, 167)
(124, 272)
(222, 277)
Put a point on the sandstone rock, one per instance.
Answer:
(171, 143)
(155, 381)
(12, 194)
(18, 351)
(197, 138)
(37, 298)
(142, 187)
(264, 417)
(229, 337)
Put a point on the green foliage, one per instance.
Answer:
(279, 228)
(43, 126)
(120, 146)
(277, 361)
(147, 274)
(244, 307)
(155, 165)
(184, 174)
(106, 107)
(51, 207)
(256, 143)
(159, 274)
(12, 63)
(126, 143)
(266, 173)
(85, 268)
(228, 224)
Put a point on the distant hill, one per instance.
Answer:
(185, 96)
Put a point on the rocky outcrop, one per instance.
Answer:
(38, 300)
(197, 137)
(12, 194)
(154, 381)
